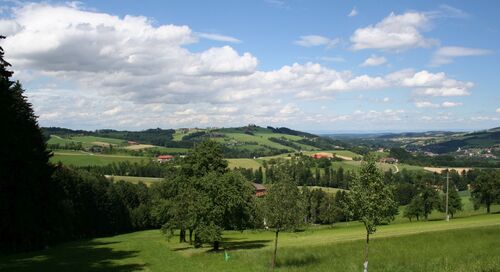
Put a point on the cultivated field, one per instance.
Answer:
(441, 169)
(464, 244)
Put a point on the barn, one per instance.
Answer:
(260, 189)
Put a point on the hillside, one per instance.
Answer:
(239, 142)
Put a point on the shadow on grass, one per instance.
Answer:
(250, 244)
(296, 262)
(76, 256)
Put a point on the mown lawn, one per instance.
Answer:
(465, 244)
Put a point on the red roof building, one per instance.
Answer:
(323, 155)
(164, 158)
(260, 189)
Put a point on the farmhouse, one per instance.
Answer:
(164, 158)
(323, 155)
(389, 160)
(131, 142)
(260, 190)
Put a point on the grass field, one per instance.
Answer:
(87, 141)
(465, 244)
(245, 163)
(78, 158)
(146, 180)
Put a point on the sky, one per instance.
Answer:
(319, 66)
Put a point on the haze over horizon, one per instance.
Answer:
(322, 66)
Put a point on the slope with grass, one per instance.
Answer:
(86, 141)
(465, 244)
(80, 158)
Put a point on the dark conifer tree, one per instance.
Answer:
(24, 170)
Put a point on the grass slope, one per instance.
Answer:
(78, 158)
(466, 244)
(87, 141)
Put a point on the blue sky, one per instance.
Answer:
(310, 65)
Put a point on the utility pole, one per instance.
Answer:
(447, 186)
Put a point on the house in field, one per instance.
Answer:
(164, 158)
(131, 142)
(389, 160)
(322, 155)
(260, 189)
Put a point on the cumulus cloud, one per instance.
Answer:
(445, 55)
(108, 65)
(316, 40)
(394, 32)
(374, 60)
(436, 84)
(353, 12)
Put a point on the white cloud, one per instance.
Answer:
(448, 104)
(124, 63)
(316, 40)
(426, 104)
(353, 12)
(436, 84)
(289, 109)
(445, 55)
(218, 37)
(374, 60)
(498, 110)
(395, 32)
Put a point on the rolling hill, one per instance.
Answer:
(239, 142)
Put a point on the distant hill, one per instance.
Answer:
(238, 142)
(438, 142)
(479, 139)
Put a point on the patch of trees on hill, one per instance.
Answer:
(288, 131)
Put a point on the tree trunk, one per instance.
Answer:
(365, 264)
(182, 236)
(488, 208)
(216, 245)
(190, 236)
(197, 241)
(273, 264)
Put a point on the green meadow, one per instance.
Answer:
(463, 244)
(80, 158)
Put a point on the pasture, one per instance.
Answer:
(245, 163)
(86, 141)
(80, 158)
(417, 246)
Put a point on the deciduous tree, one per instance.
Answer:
(284, 209)
(372, 200)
